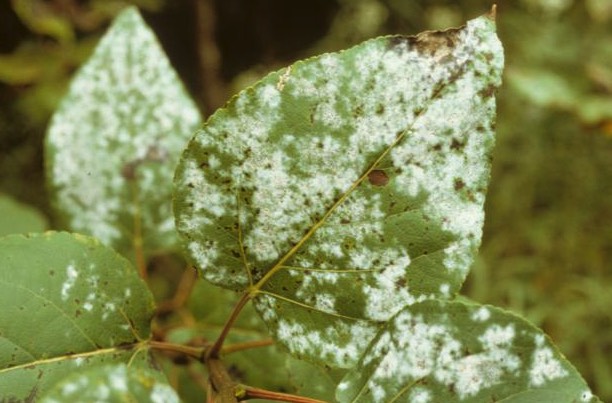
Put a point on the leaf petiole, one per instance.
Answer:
(215, 350)
(232, 348)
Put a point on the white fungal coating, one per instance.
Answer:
(356, 180)
(438, 349)
(72, 274)
(544, 366)
(114, 141)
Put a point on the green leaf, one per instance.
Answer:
(18, 218)
(448, 351)
(42, 19)
(347, 186)
(114, 383)
(68, 302)
(113, 144)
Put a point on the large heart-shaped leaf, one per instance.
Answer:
(68, 303)
(449, 351)
(113, 144)
(345, 187)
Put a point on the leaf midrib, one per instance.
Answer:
(438, 89)
(65, 357)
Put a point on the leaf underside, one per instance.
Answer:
(347, 186)
(113, 144)
(452, 351)
(68, 303)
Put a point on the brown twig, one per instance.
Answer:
(194, 352)
(216, 348)
(247, 345)
(182, 293)
(256, 393)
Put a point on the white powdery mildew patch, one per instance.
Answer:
(125, 111)
(325, 303)
(383, 298)
(415, 349)
(450, 123)
(163, 394)
(481, 314)
(118, 379)
(305, 341)
(71, 276)
(544, 366)
(419, 395)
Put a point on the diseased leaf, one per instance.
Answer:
(113, 144)
(265, 367)
(449, 351)
(68, 302)
(18, 218)
(345, 187)
(114, 383)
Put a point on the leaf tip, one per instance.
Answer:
(493, 13)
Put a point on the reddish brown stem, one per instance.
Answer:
(256, 393)
(194, 352)
(215, 350)
(232, 348)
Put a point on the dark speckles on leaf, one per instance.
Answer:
(459, 184)
(378, 177)
(457, 144)
(399, 284)
(129, 170)
(487, 92)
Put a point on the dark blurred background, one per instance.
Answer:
(548, 234)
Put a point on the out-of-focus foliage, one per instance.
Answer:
(17, 218)
(548, 231)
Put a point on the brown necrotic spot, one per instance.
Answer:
(378, 177)
(459, 184)
(436, 44)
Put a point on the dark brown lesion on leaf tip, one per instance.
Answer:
(430, 43)
(378, 177)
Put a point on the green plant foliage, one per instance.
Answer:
(68, 303)
(113, 143)
(454, 351)
(320, 200)
(16, 218)
(267, 367)
(114, 383)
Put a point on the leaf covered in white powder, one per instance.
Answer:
(345, 187)
(113, 144)
(450, 351)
